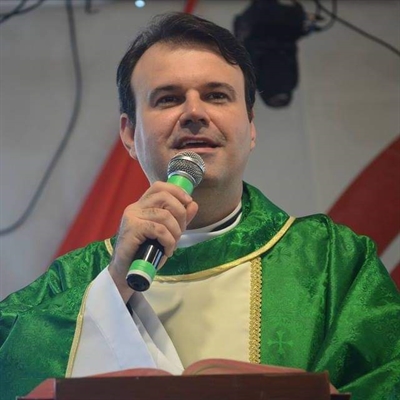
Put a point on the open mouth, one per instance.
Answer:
(193, 144)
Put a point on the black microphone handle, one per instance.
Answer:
(150, 251)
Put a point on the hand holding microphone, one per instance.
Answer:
(151, 227)
(186, 171)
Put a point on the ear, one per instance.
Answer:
(127, 134)
(253, 132)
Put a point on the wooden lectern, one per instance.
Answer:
(204, 380)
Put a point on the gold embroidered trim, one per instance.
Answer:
(221, 268)
(77, 335)
(255, 311)
(224, 267)
(109, 247)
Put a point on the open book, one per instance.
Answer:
(235, 375)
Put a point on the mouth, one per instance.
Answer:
(185, 144)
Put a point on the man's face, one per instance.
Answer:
(189, 98)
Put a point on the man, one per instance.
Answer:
(241, 279)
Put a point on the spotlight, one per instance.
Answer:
(269, 30)
(140, 3)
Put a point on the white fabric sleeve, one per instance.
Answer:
(113, 340)
(154, 334)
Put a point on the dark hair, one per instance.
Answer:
(183, 29)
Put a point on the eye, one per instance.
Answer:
(167, 100)
(218, 97)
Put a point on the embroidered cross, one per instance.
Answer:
(280, 342)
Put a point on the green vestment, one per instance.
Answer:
(327, 303)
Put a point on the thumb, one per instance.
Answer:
(191, 211)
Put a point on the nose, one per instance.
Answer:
(194, 114)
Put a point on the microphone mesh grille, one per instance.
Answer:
(189, 163)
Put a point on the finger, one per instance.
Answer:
(164, 217)
(154, 230)
(191, 211)
(131, 237)
(174, 190)
(162, 201)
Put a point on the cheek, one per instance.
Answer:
(244, 137)
(160, 126)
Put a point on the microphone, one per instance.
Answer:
(186, 170)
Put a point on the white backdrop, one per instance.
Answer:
(345, 111)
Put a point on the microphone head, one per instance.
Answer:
(188, 164)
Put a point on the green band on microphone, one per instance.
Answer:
(140, 275)
(183, 182)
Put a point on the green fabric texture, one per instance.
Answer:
(38, 322)
(327, 303)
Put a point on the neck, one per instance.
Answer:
(214, 205)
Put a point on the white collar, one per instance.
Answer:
(194, 236)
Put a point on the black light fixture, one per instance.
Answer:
(269, 30)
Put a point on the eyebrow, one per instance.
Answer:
(172, 88)
(162, 89)
(222, 85)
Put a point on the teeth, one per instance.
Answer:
(194, 143)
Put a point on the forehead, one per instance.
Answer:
(183, 64)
